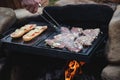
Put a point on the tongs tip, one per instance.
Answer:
(39, 5)
(57, 29)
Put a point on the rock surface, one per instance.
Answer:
(113, 53)
(111, 72)
(73, 2)
(19, 13)
(7, 18)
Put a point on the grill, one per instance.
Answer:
(85, 16)
(38, 46)
(44, 63)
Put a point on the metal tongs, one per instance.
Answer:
(56, 26)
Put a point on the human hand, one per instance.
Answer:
(31, 5)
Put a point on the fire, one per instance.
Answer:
(73, 67)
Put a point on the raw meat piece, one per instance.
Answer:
(76, 31)
(65, 30)
(84, 40)
(91, 32)
(55, 43)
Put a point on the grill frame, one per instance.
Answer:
(38, 47)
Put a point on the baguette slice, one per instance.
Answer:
(20, 32)
(34, 33)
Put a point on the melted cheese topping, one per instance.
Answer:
(32, 32)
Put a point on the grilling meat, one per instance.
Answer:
(76, 31)
(74, 40)
(93, 33)
(56, 42)
(65, 30)
(84, 40)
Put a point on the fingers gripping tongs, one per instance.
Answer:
(56, 26)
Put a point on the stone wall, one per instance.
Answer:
(112, 71)
(7, 18)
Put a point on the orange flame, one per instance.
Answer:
(73, 67)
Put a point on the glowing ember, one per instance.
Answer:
(73, 67)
